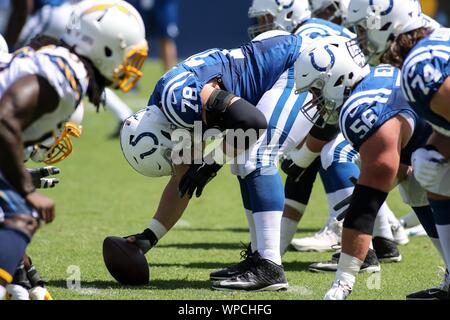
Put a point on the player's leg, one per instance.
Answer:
(297, 194)
(380, 162)
(164, 15)
(246, 253)
(18, 222)
(337, 167)
(267, 201)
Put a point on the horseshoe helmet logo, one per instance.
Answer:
(285, 4)
(325, 68)
(385, 12)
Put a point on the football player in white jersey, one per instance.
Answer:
(49, 18)
(40, 89)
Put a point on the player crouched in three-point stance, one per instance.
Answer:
(210, 87)
(40, 89)
(422, 52)
(375, 118)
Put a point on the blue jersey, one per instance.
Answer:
(374, 101)
(247, 72)
(424, 71)
(38, 4)
(314, 28)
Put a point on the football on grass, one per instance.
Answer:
(125, 261)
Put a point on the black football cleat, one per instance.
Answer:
(263, 275)
(386, 250)
(430, 294)
(370, 265)
(236, 269)
(440, 292)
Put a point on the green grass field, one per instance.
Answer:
(100, 195)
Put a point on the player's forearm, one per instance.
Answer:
(11, 160)
(171, 206)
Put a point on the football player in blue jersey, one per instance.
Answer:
(204, 89)
(295, 17)
(374, 117)
(397, 33)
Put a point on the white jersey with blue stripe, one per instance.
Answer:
(424, 71)
(287, 128)
(314, 28)
(63, 70)
(247, 72)
(377, 99)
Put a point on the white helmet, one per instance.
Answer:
(59, 146)
(3, 45)
(330, 68)
(111, 34)
(277, 15)
(146, 142)
(378, 22)
(333, 9)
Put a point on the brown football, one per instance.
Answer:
(125, 261)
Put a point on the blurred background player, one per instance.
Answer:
(161, 21)
(28, 19)
(51, 78)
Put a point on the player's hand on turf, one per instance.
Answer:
(44, 206)
(38, 176)
(196, 178)
(291, 169)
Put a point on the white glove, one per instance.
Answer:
(428, 167)
(39, 293)
(16, 292)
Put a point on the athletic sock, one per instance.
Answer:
(382, 227)
(348, 268)
(252, 230)
(441, 213)
(12, 247)
(157, 228)
(268, 226)
(288, 230)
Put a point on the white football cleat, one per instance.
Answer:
(339, 291)
(417, 231)
(327, 239)
(16, 292)
(400, 235)
(39, 293)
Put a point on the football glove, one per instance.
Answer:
(196, 178)
(38, 176)
(144, 241)
(428, 167)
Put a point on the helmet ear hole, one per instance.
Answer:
(108, 51)
(289, 15)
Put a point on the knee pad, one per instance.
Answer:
(363, 210)
(23, 223)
